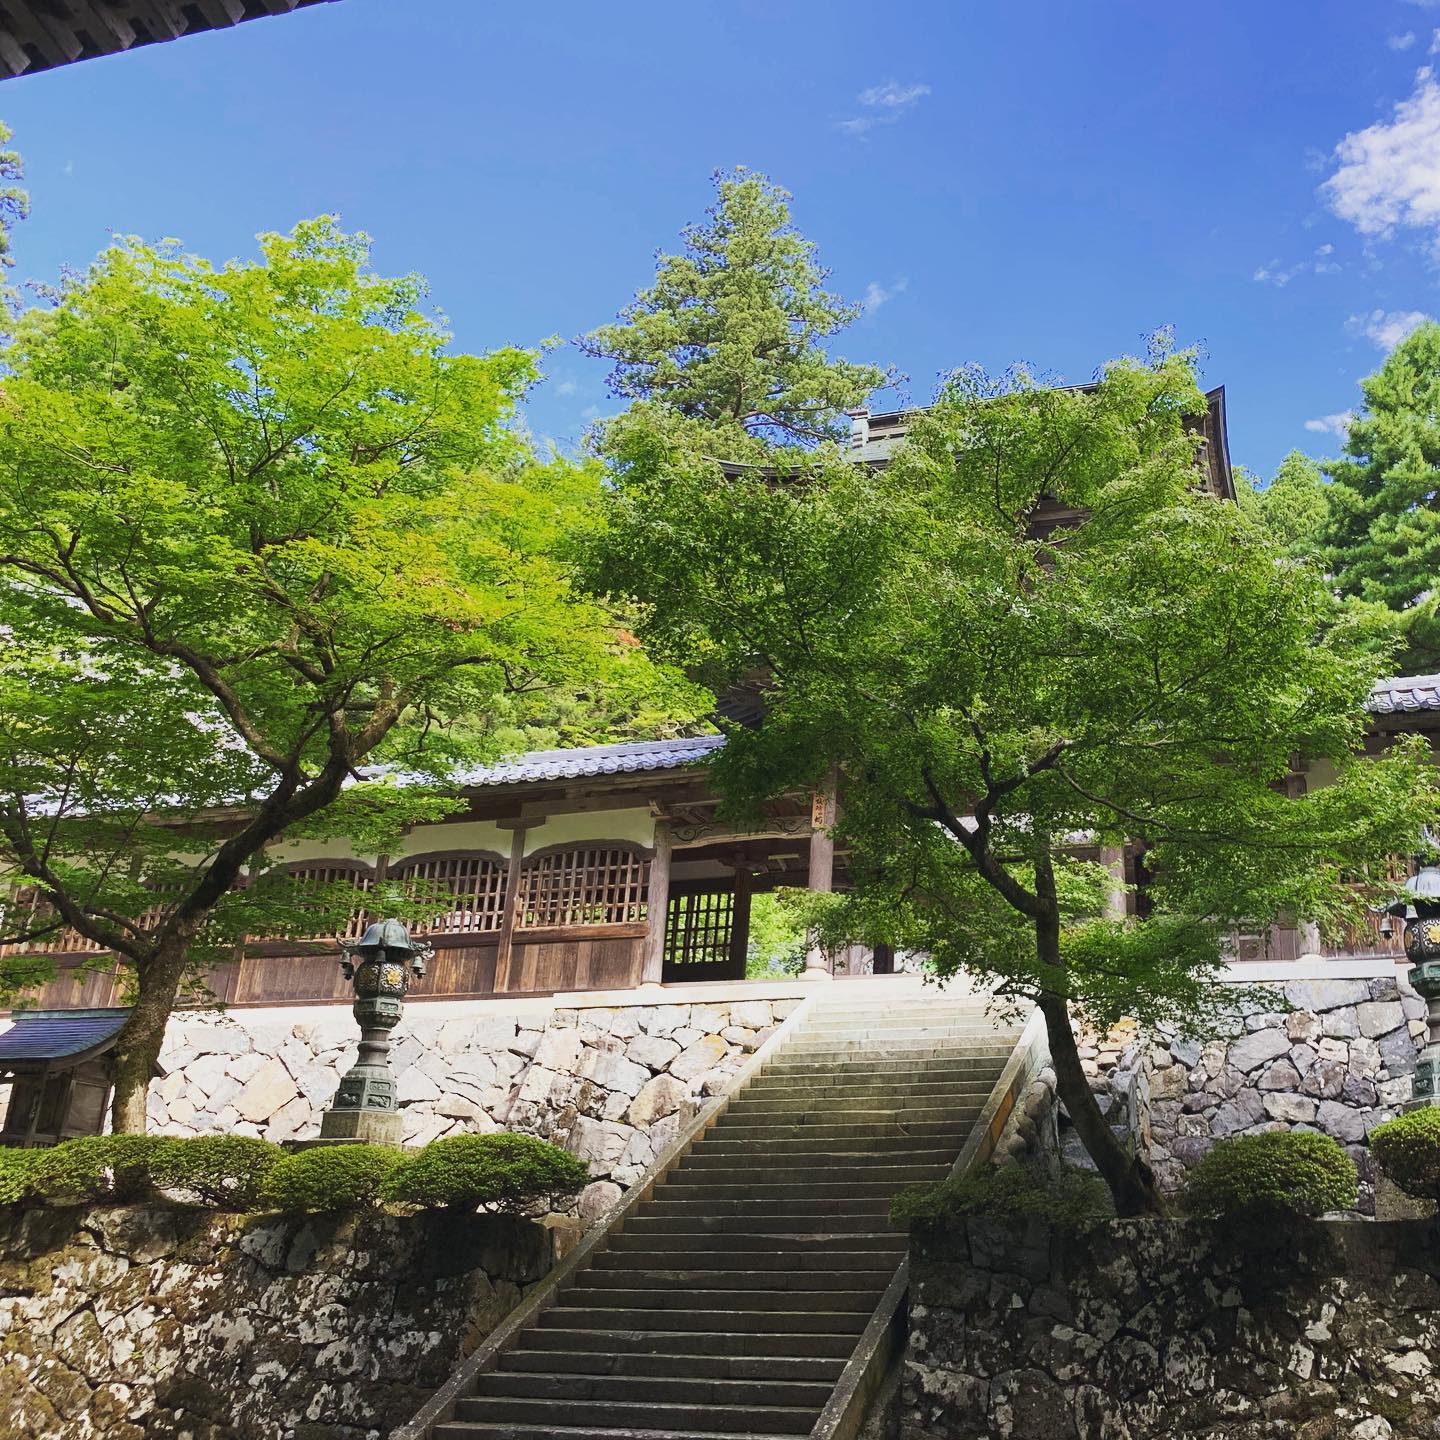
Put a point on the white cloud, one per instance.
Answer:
(565, 387)
(877, 294)
(1435, 42)
(884, 104)
(1318, 264)
(1386, 328)
(1389, 173)
(1401, 42)
(1332, 424)
(893, 96)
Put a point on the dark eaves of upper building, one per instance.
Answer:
(38, 35)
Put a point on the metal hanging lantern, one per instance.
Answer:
(1420, 911)
(379, 965)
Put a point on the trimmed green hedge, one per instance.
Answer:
(1408, 1150)
(98, 1170)
(328, 1178)
(1277, 1173)
(227, 1172)
(1069, 1199)
(17, 1174)
(503, 1171)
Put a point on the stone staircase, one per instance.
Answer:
(730, 1301)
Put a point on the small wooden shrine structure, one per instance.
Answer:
(57, 1063)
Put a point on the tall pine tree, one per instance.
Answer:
(729, 337)
(1383, 533)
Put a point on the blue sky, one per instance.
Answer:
(1044, 181)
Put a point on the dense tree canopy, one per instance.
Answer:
(1002, 697)
(264, 539)
(730, 334)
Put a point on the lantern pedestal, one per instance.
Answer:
(365, 1109)
(1425, 980)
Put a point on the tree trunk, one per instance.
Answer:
(142, 1035)
(1131, 1181)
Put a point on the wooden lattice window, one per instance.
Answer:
(476, 883)
(698, 927)
(27, 909)
(583, 885)
(336, 872)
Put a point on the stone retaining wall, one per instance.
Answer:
(613, 1085)
(1173, 1330)
(1336, 1056)
(153, 1324)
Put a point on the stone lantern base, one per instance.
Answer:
(362, 1127)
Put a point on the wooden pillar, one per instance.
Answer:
(657, 907)
(740, 917)
(1112, 857)
(822, 865)
(505, 949)
(884, 959)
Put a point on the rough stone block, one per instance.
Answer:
(559, 1049)
(703, 1055)
(664, 1095)
(1379, 1017)
(1321, 995)
(614, 1071)
(1292, 1109)
(1251, 1051)
(654, 1051)
(270, 1088)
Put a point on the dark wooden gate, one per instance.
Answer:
(699, 928)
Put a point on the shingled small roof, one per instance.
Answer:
(58, 1035)
(630, 758)
(1404, 695)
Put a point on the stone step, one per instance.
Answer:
(964, 1108)
(892, 1149)
(879, 1068)
(917, 1029)
(668, 1419)
(698, 1223)
(814, 1191)
(805, 1248)
(520, 1430)
(952, 1128)
(690, 1390)
(720, 1183)
(752, 1344)
(854, 1162)
(718, 1367)
(876, 1272)
(691, 1202)
(794, 1322)
(790, 1088)
(823, 1054)
(722, 1302)
(718, 1264)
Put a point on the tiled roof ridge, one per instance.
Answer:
(1405, 693)
(625, 757)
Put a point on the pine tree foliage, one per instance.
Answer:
(730, 334)
(1383, 535)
